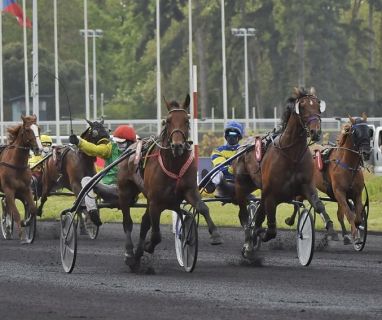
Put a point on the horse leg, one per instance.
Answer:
(270, 209)
(194, 199)
(129, 245)
(290, 220)
(311, 195)
(358, 208)
(155, 237)
(126, 194)
(145, 227)
(12, 209)
(340, 217)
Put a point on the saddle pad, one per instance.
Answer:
(258, 149)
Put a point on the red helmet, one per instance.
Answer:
(124, 132)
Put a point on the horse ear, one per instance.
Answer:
(186, 104)
(101, 122)
(352, 121)
(23, 118)
(296, 91)
(89, 122)
(167, 104)
(364, 116)
(312, 91)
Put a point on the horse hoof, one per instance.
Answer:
(247, 252)
(130, 259)
(216, 239)
(289, 221)
(269, 235)
(149, 248)
(331, 233)
(347, 239)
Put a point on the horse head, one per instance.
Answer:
(361, 135)
(95, 132)
(177, 126)
(30, 134)
(309, 108)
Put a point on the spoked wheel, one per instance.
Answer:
(68, 240)
(252, 212)
(177, 228)
(360, 241)
(305, 237)
(30, 229)
(189, 242)
(90, 227)
(6, 221)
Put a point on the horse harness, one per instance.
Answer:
(9, 165)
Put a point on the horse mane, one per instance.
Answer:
(290, 106)
(345, 131)
(341, 139)
(13, 132)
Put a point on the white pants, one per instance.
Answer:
(217, 178)
(90, 197)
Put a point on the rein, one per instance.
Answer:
(5, 164)
(182, 170)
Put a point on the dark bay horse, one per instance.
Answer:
(341, 177)
(15, 174)
(286, 169)
(68, 165)
(169, 178)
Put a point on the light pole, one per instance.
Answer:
(93, 33)
(245, 32)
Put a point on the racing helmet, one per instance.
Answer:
(123, 133)
(46, 139)
(233, 127)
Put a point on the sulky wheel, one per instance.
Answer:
(189, 242)
(30, 228)
(177, 229)
(6, 221)
(305, 237)
(68, 240)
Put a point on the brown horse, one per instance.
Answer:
(169, 178)
(15, 175)
(286, 170)
(342, 178)
(68, 165)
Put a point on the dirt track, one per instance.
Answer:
(339, 284)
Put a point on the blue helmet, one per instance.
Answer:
(235, 127)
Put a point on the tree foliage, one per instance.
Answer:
(333, 45)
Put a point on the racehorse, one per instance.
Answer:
(15, 175)
(169, 178)
(286, 169)
(68, 165)
(341, 177)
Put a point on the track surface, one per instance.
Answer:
(339, 284)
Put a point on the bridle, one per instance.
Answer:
(312, 118)
(186, 143)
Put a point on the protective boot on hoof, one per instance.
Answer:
(269, 234)
(331, 233)
(247, 251)
(215, 238)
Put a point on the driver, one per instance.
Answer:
(46, 142)
(233, 133)
(123, 137)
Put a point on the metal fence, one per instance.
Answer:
(147, 127)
